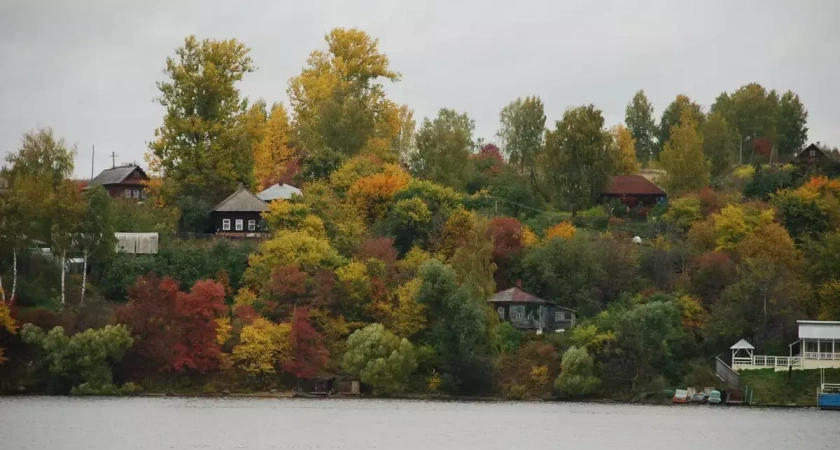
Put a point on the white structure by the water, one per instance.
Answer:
(818, 347)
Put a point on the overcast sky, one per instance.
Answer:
(88, 68)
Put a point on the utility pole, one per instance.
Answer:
(92, 154)
(113, 159)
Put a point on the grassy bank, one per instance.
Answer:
(781, 388)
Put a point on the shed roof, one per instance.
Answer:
(632, 184)
(279, 190)
(114, 175)
(818, 329)
(242, 200)
(742, 345)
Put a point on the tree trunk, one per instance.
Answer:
(63, 270)
(14, 276)
(84, 279)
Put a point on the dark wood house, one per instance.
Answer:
(528, 312)
(810, 155)
(124, 181)
(633, 190)
(240, 215)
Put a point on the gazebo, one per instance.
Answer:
(739, 350)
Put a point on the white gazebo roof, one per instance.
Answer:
(742, 345)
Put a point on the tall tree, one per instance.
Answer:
(791, 124)
(577, 157)
(623, 151)
(682, 158)
(640, 121)
(202, 147)
(67, 209)
(272, 153)
(340, 106)
(96, 231)
(720, 143)
(522, 134)
(443, 149)
(672, 115)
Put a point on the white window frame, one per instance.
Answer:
(239, 225)
(127, 193)
(137, 194)
(225, 224)
(252, 225)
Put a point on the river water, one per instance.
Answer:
(229, 423)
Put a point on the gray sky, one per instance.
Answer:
(88, 68)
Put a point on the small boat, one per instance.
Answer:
(680, 396)
(714, 397)
(699, 397)
(828, 394)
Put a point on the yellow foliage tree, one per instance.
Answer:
(372, 194)
(563, 230)
(624, 149)
(272, 152)
(262, 346)
(8, 324)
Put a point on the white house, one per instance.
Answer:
(818, 347)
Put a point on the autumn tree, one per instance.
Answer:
(379, 358)
(672, 116)
(272, 152)
(308, 354)
(577, 157)
(623, 151)
(642, 125)
(682, 158)
(202, 147)
(339, 103)
(443, 149)
(522, 134)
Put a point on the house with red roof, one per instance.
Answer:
(633, 190)
(527, 312)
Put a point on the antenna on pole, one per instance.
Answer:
(92, 154)
(113, 159)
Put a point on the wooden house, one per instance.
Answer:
(239, 215)
(810, 156)
(123, 181)
(633, 190)
(528, 312)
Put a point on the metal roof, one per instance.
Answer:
(279, 190)
(742, 345)
(632, 184)
(114, 175)
(242, 200)
(818, 329)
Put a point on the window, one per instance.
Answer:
(501, 311)
(238, 224)
(225, 224)
(136, 193)
(127, 193)
(252, 225)
(813, 153)
(559, 316)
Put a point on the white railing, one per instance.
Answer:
(822, 356)
(768, 361)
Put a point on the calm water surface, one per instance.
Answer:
(181, 423)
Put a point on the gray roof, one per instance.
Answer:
(114, 175)
(742, 345)
(279, 190)
(242, 200)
